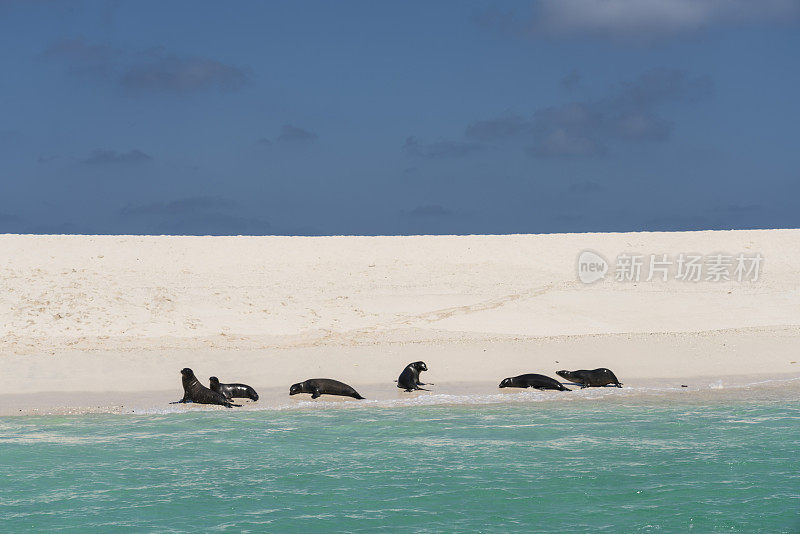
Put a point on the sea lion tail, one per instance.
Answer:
(357, 396)
(565, 389)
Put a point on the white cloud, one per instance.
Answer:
(651, 18)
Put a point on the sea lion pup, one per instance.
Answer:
(194, 391)
(532, 381)
(409, 378)
(591, 379)
(240, 391)
(324, 386)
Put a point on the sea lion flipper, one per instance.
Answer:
(183, 400)
(315, 393)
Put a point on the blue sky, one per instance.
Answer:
(368, 118)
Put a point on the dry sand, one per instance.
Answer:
(105, 323)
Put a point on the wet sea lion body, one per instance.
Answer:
(194, 391)
(324, 386)
(532, 380)
(591, 378)
(233, 391)
(409, 378)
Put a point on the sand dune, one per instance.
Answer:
(117, 313)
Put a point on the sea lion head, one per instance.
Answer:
(564, 374)
(296, 388)
(213, 380)
(507, 383)
(188, 373)
(419, 366)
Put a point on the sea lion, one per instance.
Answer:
(532, 381)
(194, 391)
(324, 386)
(241, 391)
(591, 379)
(409, 378)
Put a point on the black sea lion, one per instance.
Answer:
(241, 391)
(194, 391)
(324, 386)
(588, 379)
(409, 378)
(532, 381)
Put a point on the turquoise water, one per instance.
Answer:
(641, 468)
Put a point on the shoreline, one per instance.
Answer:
(701, 389)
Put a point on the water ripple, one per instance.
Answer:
(498, 468)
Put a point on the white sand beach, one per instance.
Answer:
(105, 323)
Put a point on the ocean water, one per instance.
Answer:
(536, 467)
